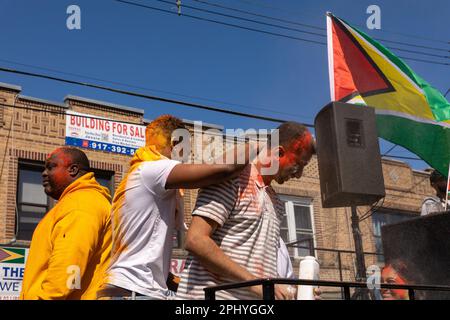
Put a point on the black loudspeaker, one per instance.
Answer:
(419, 251)
(348, 155)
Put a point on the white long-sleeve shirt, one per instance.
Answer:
(432, 205)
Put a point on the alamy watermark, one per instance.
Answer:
(74, 278)
(73, 21)
(374, 20)
(236, 146)
(373, 277)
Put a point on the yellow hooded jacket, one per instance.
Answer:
(71, 246)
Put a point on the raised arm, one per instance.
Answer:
(192, 176)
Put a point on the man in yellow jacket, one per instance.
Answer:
(71, 246)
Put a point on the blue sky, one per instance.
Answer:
(170, 54)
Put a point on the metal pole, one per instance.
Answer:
(210, 294)
(268, 290)
(340, 271)
(359, 253)
(411, 294)
(340, 266)
(346, 292)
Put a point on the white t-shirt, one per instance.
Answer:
(284, 264)
(143, 223)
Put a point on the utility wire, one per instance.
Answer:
(145, 96)
(293, 29)
(392, 148)
(413, 45)
(404, 158)
(64, 113)
(257, 30)
(245, 19)
(372, 210)
(312, 26)
(419, 52)
(172, 101)
(261, 15)
(376, 206)
(413, 37)
(425, 61)
(383, 30)
(179, 102)
(147, 89)
(220, 22)
(125, 122)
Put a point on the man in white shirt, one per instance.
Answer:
(144, 213)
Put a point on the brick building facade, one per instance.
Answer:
(30, 128)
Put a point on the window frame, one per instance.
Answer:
(385, 212)
(289, 203)
(30, 165)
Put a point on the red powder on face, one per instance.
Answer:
(303, 143)
(56, 172)
(399, 293)
(62, 161)
(60, 157)
(390, 275)
(287, 160)
(59, 178)
(290, 156)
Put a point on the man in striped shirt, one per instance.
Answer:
(235, 229)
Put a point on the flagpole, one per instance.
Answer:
(448, 184)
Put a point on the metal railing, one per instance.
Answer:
(339, 253)
(268, 286)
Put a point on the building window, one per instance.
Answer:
(381, 218)
(32, 202)
(297, 225)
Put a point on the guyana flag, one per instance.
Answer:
(410, 112)
(448, 189)
(12, 255)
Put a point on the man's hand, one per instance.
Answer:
(317, 294)
(285, 292)
(282, 292)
